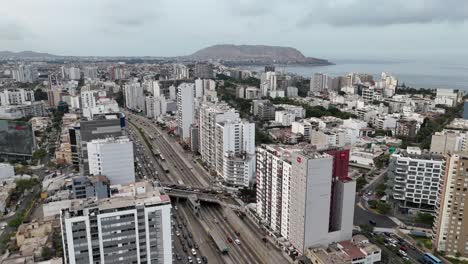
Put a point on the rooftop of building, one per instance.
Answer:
(111, 140)
(351, 249)
(458, 124)
(329, 257)
(345, 251)
(134, 194)
(417, 153)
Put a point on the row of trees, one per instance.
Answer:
(314, 111)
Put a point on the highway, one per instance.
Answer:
(251, 248)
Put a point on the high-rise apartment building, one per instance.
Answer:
(302, 197)
(74, 73)
(273, 177)
(104, 126)
(203, 70)
(134, 97)
(311, 192)
(185, 109)
(414, 178)
(16, 96)
(263, 110)
(449, 141)
(118, 73)
(134, 226)
(88, 97)
(235, 152)
(319, 82)
(450, 231)
(113, 158)
(204, 86)
(181, 71)
(90, 72)
(209, 115)
(25, 74)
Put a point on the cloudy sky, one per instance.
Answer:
(326, 28)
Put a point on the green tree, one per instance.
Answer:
(119, 98)
(380, 190)
(39, 154)
(373, 204)
(367, 228)
(47, 253)
(40, 95)
(424, 218)
(383, 208)
(382, 160)
(361, 182)
(262, 137)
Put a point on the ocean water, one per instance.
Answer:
(421, 73)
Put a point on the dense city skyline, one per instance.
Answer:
(163, 28)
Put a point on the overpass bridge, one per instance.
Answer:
(219, 199)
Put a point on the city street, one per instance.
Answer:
(212, 218)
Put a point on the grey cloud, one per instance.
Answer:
(130, 14)
(12, 30)
(342, 13)
(250, 8)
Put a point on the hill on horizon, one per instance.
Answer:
(260, 54)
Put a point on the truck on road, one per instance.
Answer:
(222, 247)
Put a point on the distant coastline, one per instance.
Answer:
(413, 73)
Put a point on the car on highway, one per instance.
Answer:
(177, 233)
(189, 258)
(372, 222)
(237, 241)
(229, 239)
(194, 252)
(204, 259)
(237, 233)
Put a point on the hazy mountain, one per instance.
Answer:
(255, 54)
(24, 55)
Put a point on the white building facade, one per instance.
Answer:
(112, 157)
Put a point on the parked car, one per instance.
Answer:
(229, 239)
(237, 241)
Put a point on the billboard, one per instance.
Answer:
(16, 138)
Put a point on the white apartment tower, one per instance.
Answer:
(25, 74)
(319, 82)
(90, 72)
(273, 179)
(209, 115)
(112, 157)
(235, 152)
(16, 96)
(133, 226)
(134, 97)
(300, 199)
(88, 98)
(185, 109)
(414, 179)
(74, 73)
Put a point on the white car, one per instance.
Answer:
(237, 241)
(194, 252)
